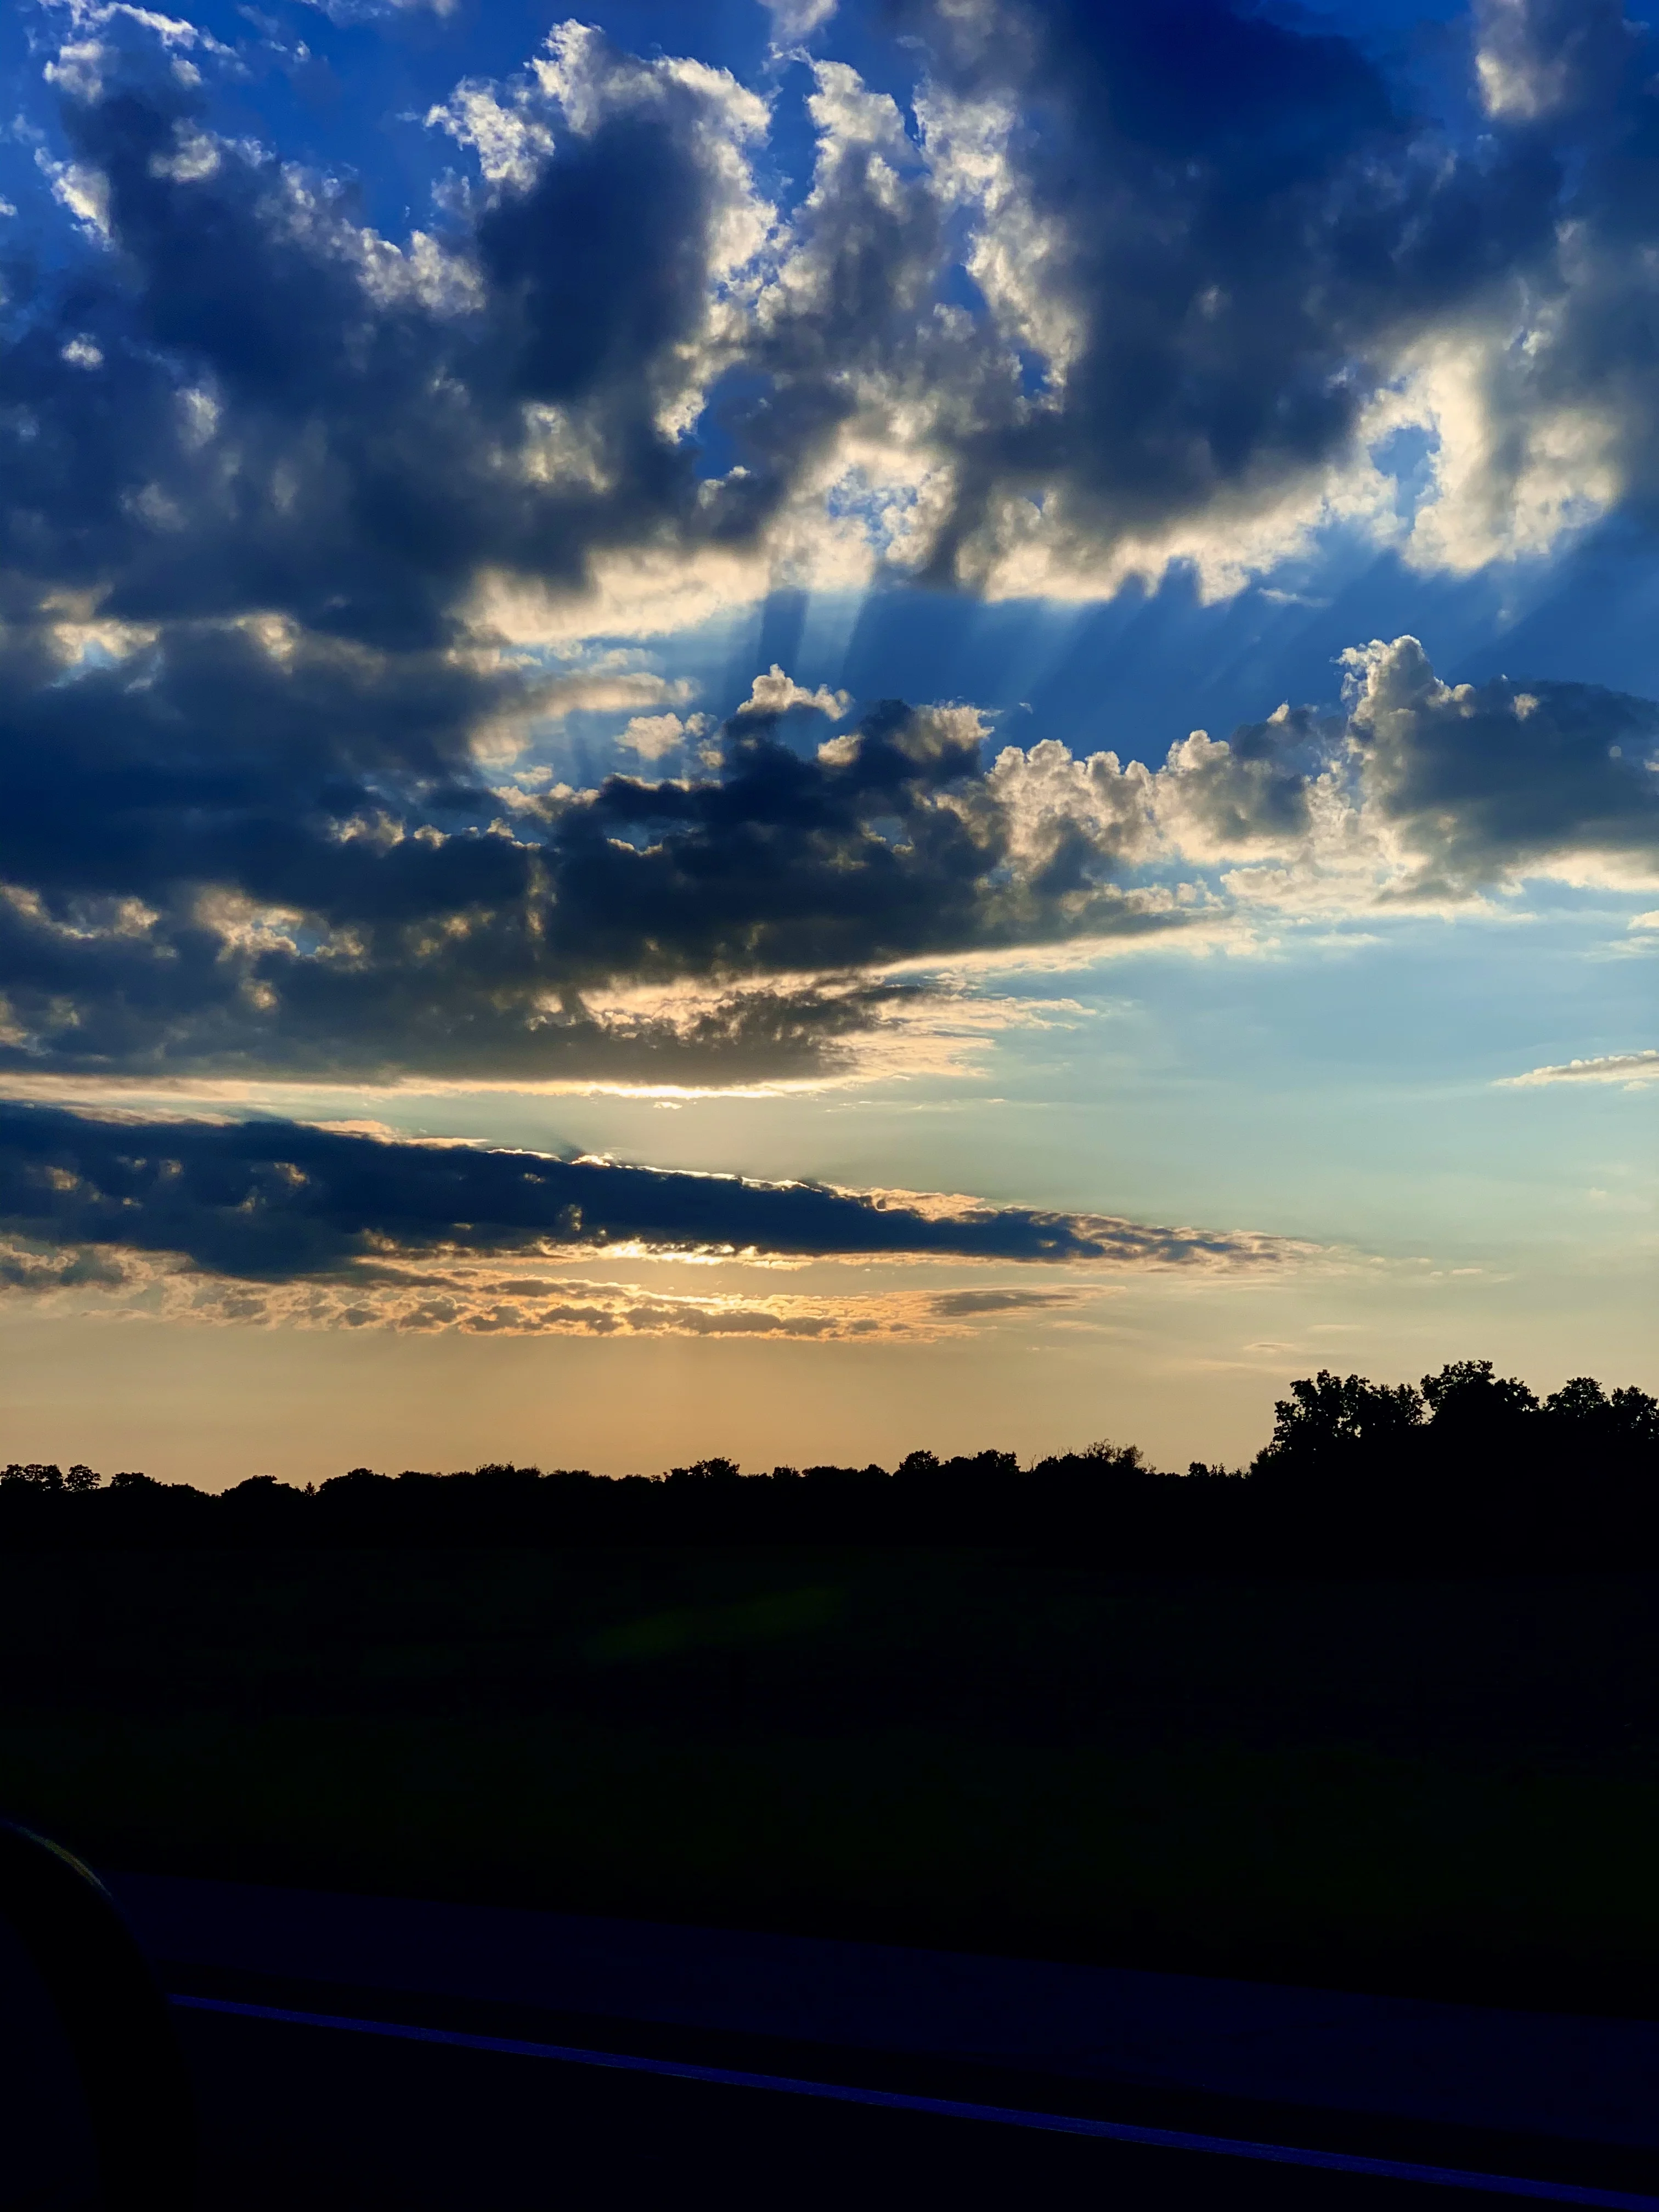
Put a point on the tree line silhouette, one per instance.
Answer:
(1470, 1470)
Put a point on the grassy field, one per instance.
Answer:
(1448, 1787)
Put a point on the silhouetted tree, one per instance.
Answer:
(1336, 1417)
(1468, 1470)
(33, 1474)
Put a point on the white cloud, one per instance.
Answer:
(774, 693)
(652, 736)
(1630, 1068)
(795, 21)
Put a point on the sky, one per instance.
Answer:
(797, 731)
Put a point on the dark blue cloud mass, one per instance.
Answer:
(298, 517)
(278, 1202)
(176, 913)
(1251, 227)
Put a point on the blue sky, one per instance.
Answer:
(1040, 616)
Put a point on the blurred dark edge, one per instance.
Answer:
(116, 2020)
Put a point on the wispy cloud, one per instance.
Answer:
(481, 1299)
(1630, 1068)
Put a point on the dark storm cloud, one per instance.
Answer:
(278, 1202)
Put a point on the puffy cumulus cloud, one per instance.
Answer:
(1256, 791)
(279, 1221)
(775, 693)
(250, 849)
(252, 853)
(1475, 784)
(1217, 263)
(1114, 288)
(889, 843)
(1211, 241)
(303, 527)
(1544, 415)
(1420, 794)
(655, 736)
(291, 415)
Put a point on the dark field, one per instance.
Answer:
(1448, 1787)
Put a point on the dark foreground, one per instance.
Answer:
(1445, 1787)
(371, 2051)
(325, 2118)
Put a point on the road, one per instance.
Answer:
(481, 2059)
(324, 2118)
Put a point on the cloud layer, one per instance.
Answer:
(475, 1298)
(279, 1200)
(1109, 289)
(279, 1221)
(306, 530)
(268, 904)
